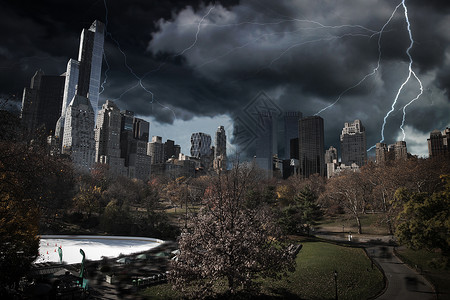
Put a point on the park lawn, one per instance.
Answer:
(370, 223)
(431, 265)
(314, 276)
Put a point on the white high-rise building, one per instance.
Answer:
(71, 74)
(83, 75)
(78, 140)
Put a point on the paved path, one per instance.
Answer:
(403, 282)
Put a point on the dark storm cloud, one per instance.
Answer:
(244, 47)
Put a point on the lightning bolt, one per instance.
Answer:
(197, 33)
(410, 69)
(374, 71)
(410, 73)
(102, 86)
(139, 79)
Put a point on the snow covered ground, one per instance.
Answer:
(93, 246)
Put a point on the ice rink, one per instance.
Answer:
(93, 246)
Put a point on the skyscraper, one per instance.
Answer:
(353, 144)
(311, 145)
(331, 155)
(78, 140)
(291, 119)
(41, 102)
(438, 143)
(107, 138)
(156, 150)
(265, 142)
(133, 145)
(201, 149)
(83, 76)
(220, 150)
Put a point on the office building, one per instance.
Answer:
(201, 149)
(171, 150)
(78, 140)
(134, 133)
(83, 75)
(265, 142)
(156, 150)
(41, 103)
(107, 139)
(396, 151)
(439, 143)
(311, 146)
(353, 144)
(220, 150)
(291, 119)
(331, 155)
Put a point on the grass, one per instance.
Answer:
(314, 276)
(370, 223)
(431, 265)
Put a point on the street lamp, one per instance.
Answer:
(335, 284)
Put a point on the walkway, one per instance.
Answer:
(403, 282)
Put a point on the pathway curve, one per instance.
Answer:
(403, 282)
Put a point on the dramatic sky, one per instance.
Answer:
(189, 66)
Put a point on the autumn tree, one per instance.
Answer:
(27, 175)
(229, 241)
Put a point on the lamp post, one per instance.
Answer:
(335, 284)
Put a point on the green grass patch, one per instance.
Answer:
(314, 276)
(432, 265)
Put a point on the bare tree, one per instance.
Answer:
(350, 190)
(228, 241)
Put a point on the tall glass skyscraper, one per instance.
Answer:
(90, 57)
(83, 75)
(311, 145)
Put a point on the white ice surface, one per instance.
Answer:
(93, 246)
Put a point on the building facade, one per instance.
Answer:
(265, 142)
(353, 144)
(107, 139)
(156, 150)
(83, 75)
(78, 140)
(291, 119)
(220, 150)
(439, 143)
(311, 146)
(331, 155)
(201, 149)
(396, 151)
(41, 102)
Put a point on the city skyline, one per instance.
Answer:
(224, 55)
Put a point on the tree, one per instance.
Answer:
(351, 190)
(301, 214)
(425, 219)
(88, 200)
(23, 186)
(228, 241)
